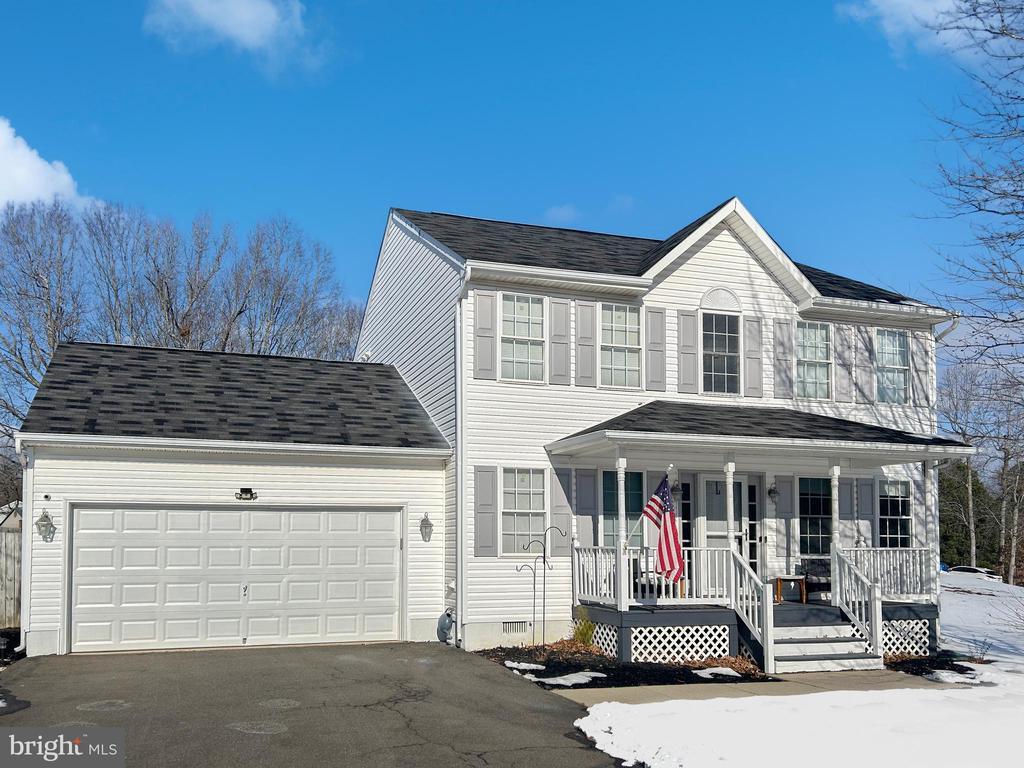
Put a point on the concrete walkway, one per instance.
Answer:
(790, 685)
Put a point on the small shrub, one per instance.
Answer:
(584, 632)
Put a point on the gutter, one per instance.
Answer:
(27, 439)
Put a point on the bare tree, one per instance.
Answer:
(964, 411)
(117, 275)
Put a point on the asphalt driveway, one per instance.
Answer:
(374, 705)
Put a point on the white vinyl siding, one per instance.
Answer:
(721, 348)
(522, 338)
(814, 360)
(894, 515)
(620, 345)
(893, 366)
(522, 509)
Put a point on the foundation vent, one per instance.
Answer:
(515, 627)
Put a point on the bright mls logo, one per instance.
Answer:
(92, 748)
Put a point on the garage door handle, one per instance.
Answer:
(245, 590)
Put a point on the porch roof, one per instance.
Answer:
(748, 428)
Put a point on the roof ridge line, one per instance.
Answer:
(654, 240)
(115, 345)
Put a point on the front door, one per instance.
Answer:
(715, 527)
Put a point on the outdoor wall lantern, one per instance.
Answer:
(45, 526)
(426, 527)
(773, 493)
(246, 494)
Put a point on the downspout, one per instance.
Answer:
(948, 330)
(460, 469)
(26, 540)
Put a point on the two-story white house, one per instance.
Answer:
(520, 388)
(793, 409)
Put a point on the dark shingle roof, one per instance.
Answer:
(109, 390)
(531, 245)
(666, 417)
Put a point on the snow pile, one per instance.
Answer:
(710, 672)
(523, 665)
(905, 727)
(573, 678)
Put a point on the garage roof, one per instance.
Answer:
(122, 391)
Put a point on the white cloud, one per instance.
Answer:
(26, 176)
(272, 30)
(562, 214)
(622, 203)
(906, 22)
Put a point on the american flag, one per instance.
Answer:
(660, 511)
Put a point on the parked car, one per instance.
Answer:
(981, 573)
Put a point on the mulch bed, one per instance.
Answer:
(13, 638)
(568, 656)
(923, 665)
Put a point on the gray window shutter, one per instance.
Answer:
(843, 353)
(485, 335)
(785, 520)
(586, 344)
(586, 507)
(920, 354)
(783, 362)
(846, 498)
(558, 341)
(688, 368)
(486, 525)
(753, 374)
(918, 533)
(866, 508)
(654, 363)
(865, 373)
(561, 492)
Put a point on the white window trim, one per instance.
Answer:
(796, 514)
(908, 368)
(534, 551)
(600, 343)
(831, 362)
(700, 352)
(543, 339)
(911, 507)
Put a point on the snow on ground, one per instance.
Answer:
(523, 665)
(573, 678)
(962, 727)
(720, 671)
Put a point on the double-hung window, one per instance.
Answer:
(815, 516)
(522, 509)
(892, 358)
(894, 513)
(620, 345)
(634, 507)
(814, 360)
(522, 338)
(721, 337)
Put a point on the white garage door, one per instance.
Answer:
(186, 578)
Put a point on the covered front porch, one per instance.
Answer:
(776, 507)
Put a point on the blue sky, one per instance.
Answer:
(628, 118)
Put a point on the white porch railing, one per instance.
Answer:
(902, 574)
(706, 577)
(753, 602)
(859, 597)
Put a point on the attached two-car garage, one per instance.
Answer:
(152, 577)
(204, 500)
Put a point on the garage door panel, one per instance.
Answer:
(177, 578)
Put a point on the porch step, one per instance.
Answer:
(817, 646)
(814, 632)
(827, 662)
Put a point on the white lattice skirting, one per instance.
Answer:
(606, 637)
(906, 637)
(668, 645)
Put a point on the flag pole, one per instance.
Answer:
(636, 525)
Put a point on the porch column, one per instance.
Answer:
(931, 521)
(621, 537)
(834, 474)
(730, 515)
